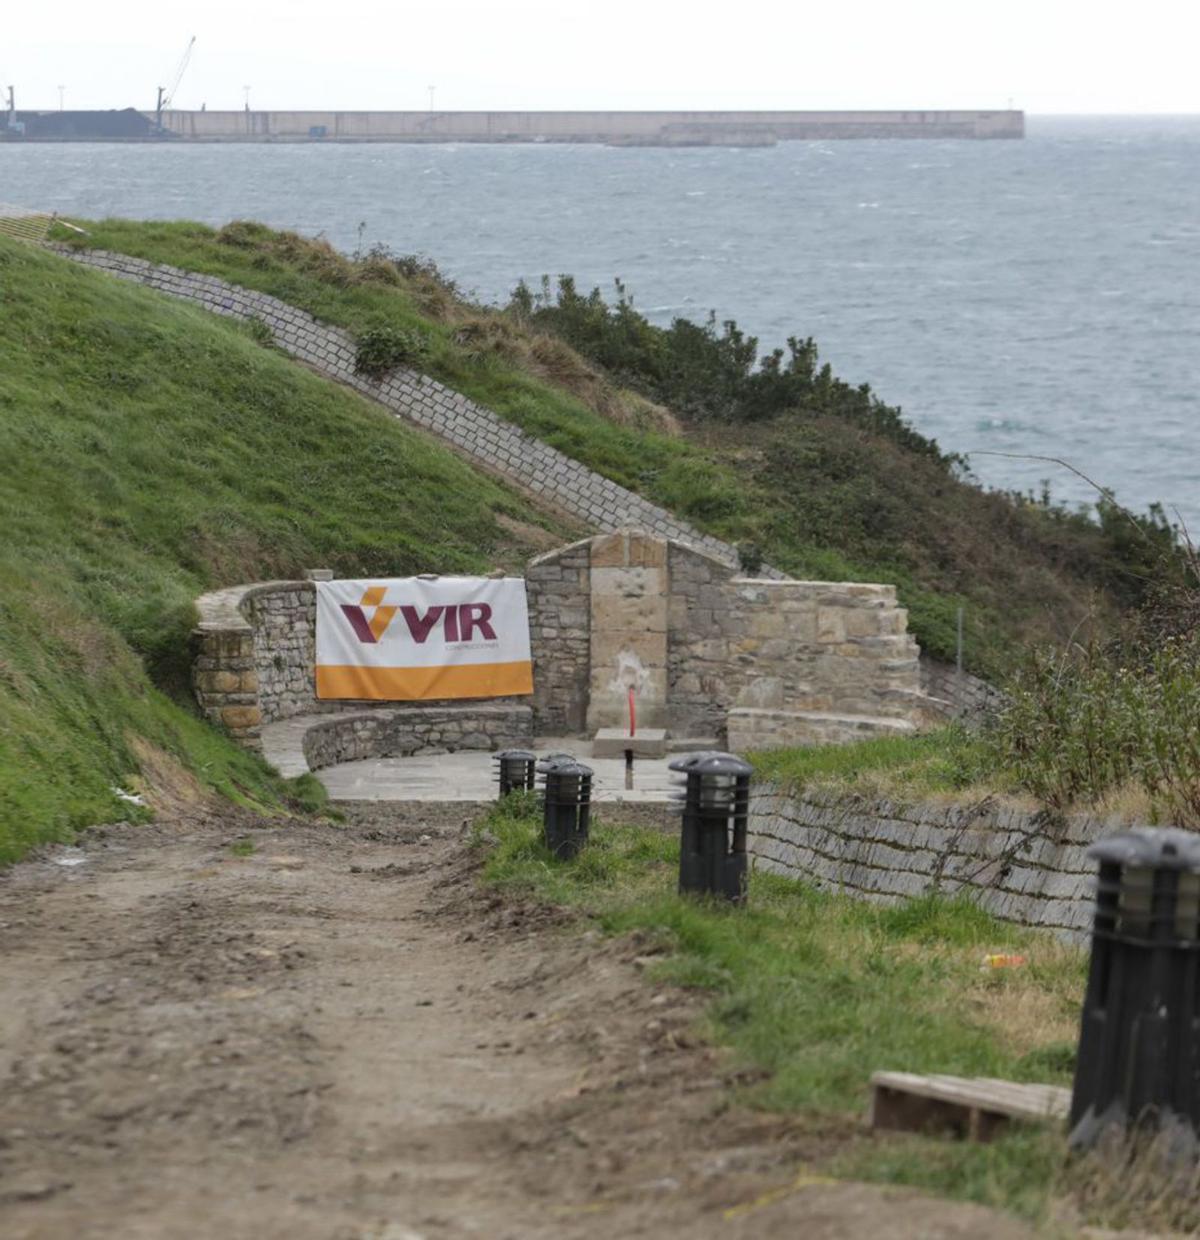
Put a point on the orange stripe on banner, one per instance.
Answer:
(374, 596)
(416, 684)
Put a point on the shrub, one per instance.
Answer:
(1081, 724)
(382, 349)
(705, 371)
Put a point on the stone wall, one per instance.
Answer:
(748, 661)
(400, 732)
(786, 662)
(967, 697)
(253, 659)
(283, 617)
(224, 677)
(558, 586)
(1019, 865)
(492, 443)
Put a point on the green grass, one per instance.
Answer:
(818, 496)
(947, 760)
(149, 451)
(819, 990)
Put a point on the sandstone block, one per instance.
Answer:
(237, 718)
(831, 624)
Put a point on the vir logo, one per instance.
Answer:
(459, 620)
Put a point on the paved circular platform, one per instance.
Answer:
(471, 776)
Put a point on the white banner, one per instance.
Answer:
(418, 638)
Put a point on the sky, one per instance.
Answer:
(1046, 56)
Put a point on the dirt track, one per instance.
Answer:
(340, 1037)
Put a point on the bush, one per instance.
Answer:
(705, 372)
(1079, 725)
(382, 349)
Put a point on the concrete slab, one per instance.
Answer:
(470, 776)
(613, 742)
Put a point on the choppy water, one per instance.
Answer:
(1030, 297)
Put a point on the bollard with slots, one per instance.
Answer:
(514, 770)
(715, 801)
(1139, 1043)
(566, 807)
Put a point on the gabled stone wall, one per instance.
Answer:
(748, 661)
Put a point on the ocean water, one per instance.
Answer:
(1037, 298)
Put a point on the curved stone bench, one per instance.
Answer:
(306, 743)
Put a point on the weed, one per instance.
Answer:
(379, 350)
(243, 848)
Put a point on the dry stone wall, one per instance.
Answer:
(487, 439)
(1019, 865)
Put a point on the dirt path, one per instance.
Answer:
(341, 1037)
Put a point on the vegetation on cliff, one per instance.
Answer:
(149, 451)
(776, 454)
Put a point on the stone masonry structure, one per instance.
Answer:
(255, 649)
(710, 655)
(1019, 865)
(752, 663)
(488, 440)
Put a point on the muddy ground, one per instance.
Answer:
(342, 1037)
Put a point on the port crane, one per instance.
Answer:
(167, 93)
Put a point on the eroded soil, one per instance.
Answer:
(342, 1037)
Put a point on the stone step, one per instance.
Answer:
(774, 729)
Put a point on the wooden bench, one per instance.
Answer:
(972, 1107)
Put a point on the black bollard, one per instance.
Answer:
(514, 770)
(1139, 1043)
(566, 807)
(712, 845)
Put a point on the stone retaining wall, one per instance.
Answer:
(491, 442)
(1019, 865)
(967, 697)
(400, 732)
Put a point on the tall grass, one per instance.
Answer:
(1082, 724)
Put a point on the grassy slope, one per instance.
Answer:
(820, 498)
(818, 990)
(149, 451)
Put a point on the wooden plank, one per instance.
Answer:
(972, 1107)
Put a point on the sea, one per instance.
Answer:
(1025, 302)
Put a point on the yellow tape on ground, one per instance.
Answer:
(806, 1179)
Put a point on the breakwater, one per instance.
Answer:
(610, 128)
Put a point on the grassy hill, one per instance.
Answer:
(148, 452)
(823, 480)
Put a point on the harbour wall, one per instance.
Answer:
(613, 128)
